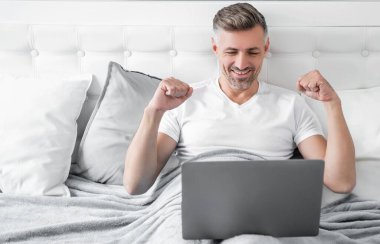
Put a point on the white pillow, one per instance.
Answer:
(38, 132)
(368, 179)
(362, 113)
(360, 109)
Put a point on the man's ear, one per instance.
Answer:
(267, 44)
(214, 45)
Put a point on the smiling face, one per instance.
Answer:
(240, 55)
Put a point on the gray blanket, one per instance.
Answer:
(98, 213)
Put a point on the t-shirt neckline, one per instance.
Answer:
(249, 101)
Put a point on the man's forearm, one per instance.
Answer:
(340, 173)
(141, 158)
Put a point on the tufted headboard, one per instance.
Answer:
(164, 38)
(173, 38)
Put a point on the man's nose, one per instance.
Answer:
(241, 61)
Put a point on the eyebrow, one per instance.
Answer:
(248, 49)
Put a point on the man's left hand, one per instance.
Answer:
(314, 85)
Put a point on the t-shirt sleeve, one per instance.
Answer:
(307, 123)
(169, 124)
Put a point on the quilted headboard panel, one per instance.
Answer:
(342, 39)
(348, 56)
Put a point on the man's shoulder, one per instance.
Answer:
(281, 94)
(200, 92)
(201, 89)
(201, 84)
(278, 90)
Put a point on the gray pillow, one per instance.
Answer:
(113, 124)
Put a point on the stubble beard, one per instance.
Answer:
(241, 83)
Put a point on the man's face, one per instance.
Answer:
(240, 55)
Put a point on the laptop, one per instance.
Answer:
(280, 198)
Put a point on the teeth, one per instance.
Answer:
(241, 73)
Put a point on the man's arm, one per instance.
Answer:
(147, 153)
(338, 152)
(149, 150)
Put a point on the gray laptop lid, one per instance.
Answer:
(277, 198)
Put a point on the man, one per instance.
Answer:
(238, 111)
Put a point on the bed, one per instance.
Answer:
(66, 69)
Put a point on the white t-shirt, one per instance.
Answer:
(270, 124)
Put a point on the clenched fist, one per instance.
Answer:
(170, 94)
(314, 85)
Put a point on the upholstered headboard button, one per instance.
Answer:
(316, 54)
(365, 53)
(127, 53)
(173, 53)
(34, 53)
(81, 53)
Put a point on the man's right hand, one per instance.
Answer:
(170, 94)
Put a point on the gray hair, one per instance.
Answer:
(238, 17)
